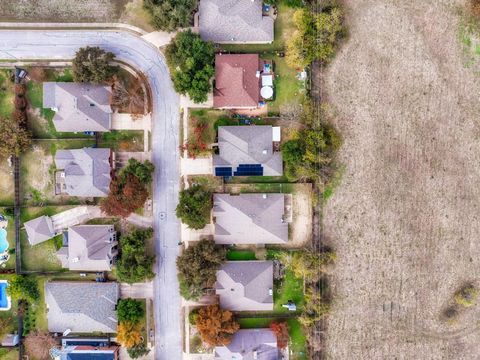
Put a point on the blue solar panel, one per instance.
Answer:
(249, 170)
(91, 355)
(223, 171)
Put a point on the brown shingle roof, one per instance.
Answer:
(236, 81)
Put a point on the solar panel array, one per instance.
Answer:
(223, 171)
(249, 170)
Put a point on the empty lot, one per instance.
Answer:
(61, 10)
(405, 219)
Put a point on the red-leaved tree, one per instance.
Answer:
(281, 332)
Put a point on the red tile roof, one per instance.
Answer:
(236, 81)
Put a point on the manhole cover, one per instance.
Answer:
(163, 216)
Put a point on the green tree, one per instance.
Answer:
(315, 37)
(315, 307)
(138, 351)
(14, 138)
(168, 15)
(92, 65)
(197, 267)
(130, 310)
(310, 154)
(194, 206)
(134, 264)
(191, 64)
(22, 287)
(143, 171)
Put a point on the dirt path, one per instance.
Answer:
(405, 220)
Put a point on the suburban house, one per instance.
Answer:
(237, 81)
(89, 248)
(250, 344)
(245, 285)
(45, 227)
(248, 151)
(250, 219)
(81, 307)
(235, 22)
(83, 172)
(87, 348)
(39, 230)
(78, 107)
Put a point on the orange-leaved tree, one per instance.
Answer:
(216, 326)
(129, 334)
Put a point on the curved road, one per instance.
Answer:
(141, 55)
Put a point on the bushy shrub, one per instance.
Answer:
(92, 65)
(316, 36)
(23, 287)
(130, 310)
(197, 267)
(191, 64)
(466, 296)
(194, 206)
(135, 265)
(168, 15)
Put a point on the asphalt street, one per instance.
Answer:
(144, 57)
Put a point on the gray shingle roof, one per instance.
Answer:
(87, 171)
(245, 285)
(248, 145)
(82, 307)
(90, 248)
(39, 230)
(250, 344)
(234, 21)
(78, 107)
(250, 219)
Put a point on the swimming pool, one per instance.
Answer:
(3, 240)
(4, 299)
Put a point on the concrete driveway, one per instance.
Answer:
(75, 216)
(61, 45)
(137, 291)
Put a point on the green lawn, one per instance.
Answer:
(261, 188)
(297, 341)
(289, 90)
(6, 93)
(40, 307)
(236, 255)
(122, 140)
(290, 288)
(41, 257)
(9, 354)
(202, 129)
(257, 179)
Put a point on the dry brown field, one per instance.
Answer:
(405, 220)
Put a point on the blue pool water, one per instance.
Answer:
(3, 240)
(3, 295)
